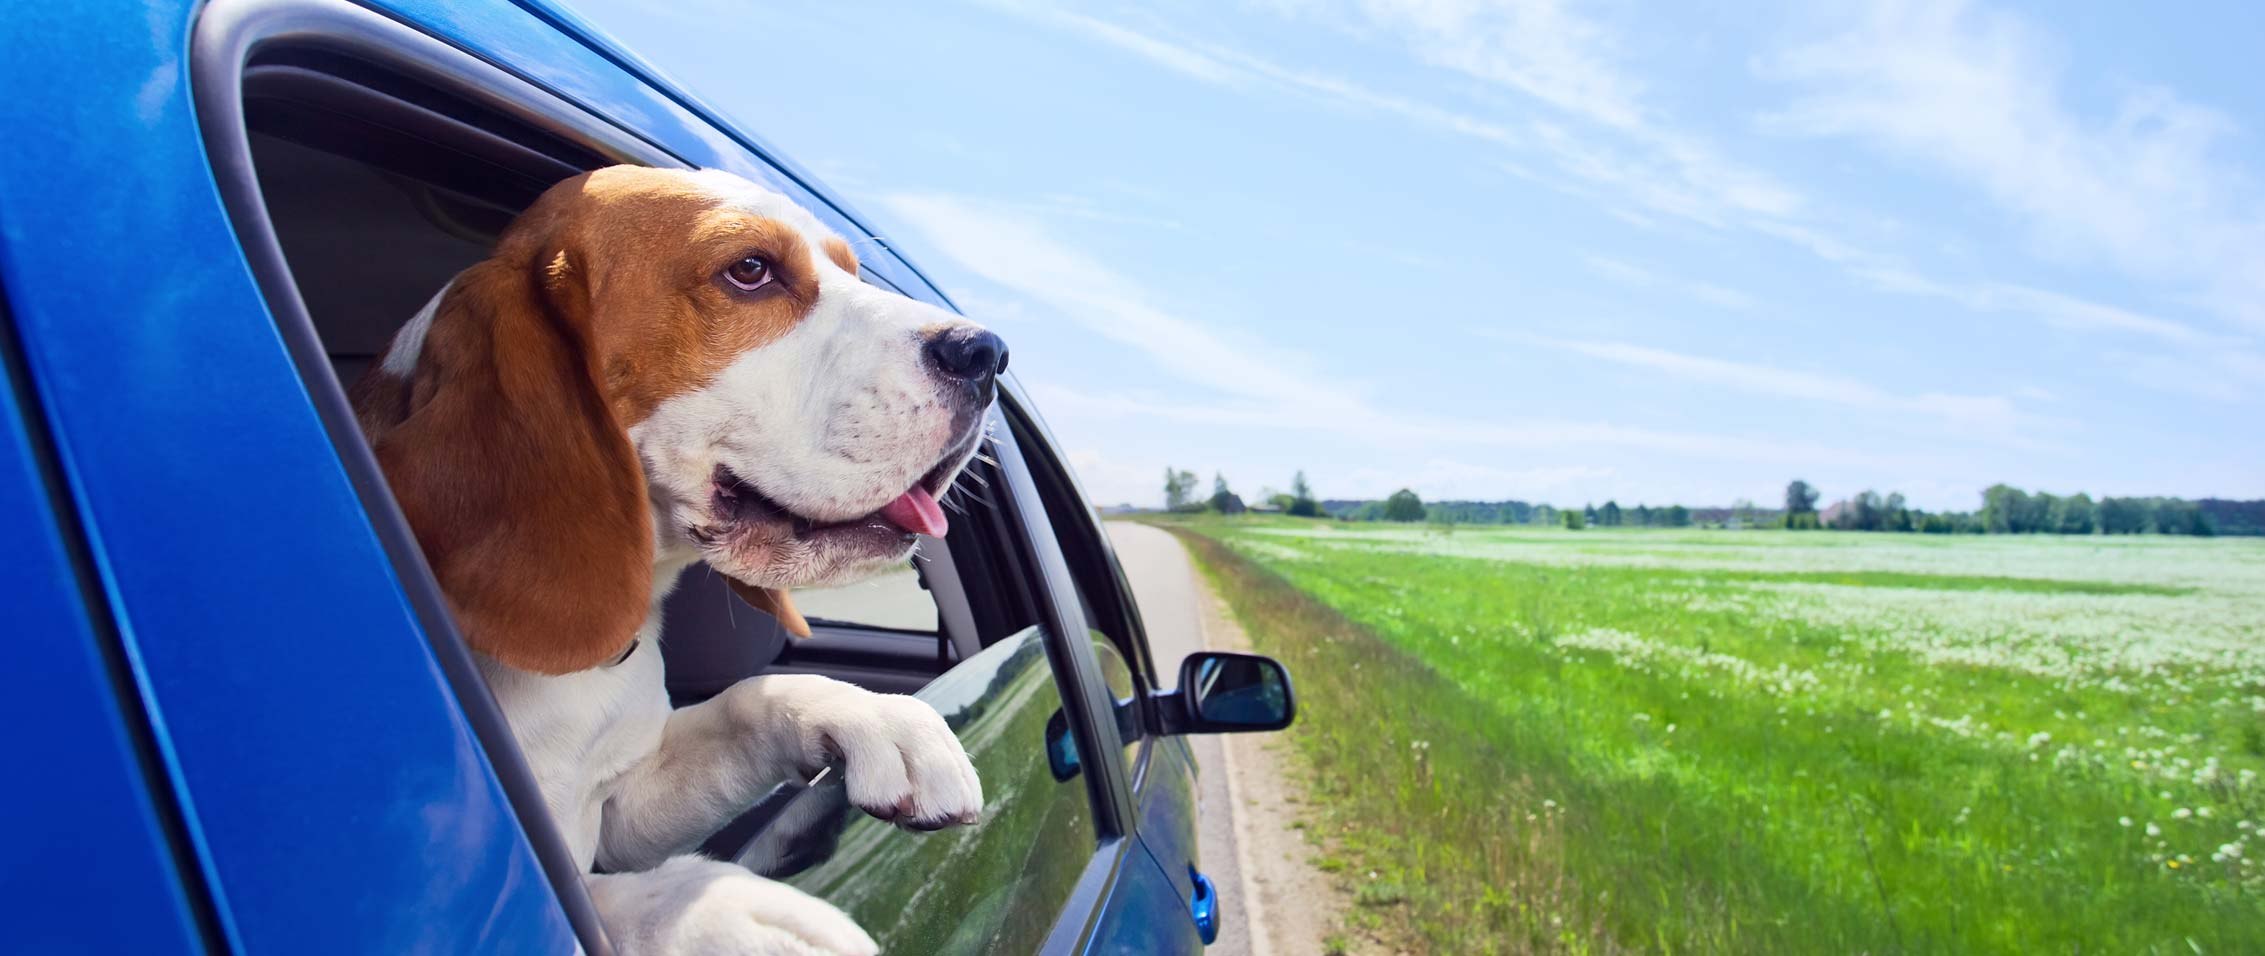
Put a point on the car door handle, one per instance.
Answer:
(1204, 907)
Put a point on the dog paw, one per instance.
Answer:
(900, 761)
(903, 764)
(690, 906)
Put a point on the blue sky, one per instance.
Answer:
(1562, 251)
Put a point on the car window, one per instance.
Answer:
(997, 886)
(1109, 612)
(897, 600)
(1124, 693)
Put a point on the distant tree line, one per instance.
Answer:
(2005, 510)
(1179, 496)
(2010, 510)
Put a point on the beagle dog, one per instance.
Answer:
(656, 368)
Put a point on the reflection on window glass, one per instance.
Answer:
(894, 600)
(1118, 675)
(991, 888)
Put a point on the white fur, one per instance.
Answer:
(636, 786)
(833, 420)
(409, 343)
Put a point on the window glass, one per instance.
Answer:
(995, 887)
(897, 600)
(1123, 694)
(1081, 541)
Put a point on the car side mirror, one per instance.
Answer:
(1223, 693)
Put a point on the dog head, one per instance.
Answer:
(659, 362)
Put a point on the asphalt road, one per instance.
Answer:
(1164, 583)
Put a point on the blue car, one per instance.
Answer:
(239, 718)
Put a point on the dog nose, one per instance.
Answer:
(975, 355)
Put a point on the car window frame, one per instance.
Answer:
(226, 39)
(1096, 572)
(228, 36)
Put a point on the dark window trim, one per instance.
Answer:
(1093, 561)
(1086, 694)
(1092, 558)
(228, 35)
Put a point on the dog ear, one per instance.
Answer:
(521, 485)
(774, 602)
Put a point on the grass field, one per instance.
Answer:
(1738, 742)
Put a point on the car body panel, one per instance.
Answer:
(89, 836)
(316, 751)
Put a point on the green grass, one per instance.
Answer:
(1767, 742)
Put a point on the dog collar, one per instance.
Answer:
(632, 649)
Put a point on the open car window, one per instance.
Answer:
(894, 600)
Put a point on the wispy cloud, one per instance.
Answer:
(1009, 246)
(1453, 478)
(1569, 62)
(1994, 415)
(1629, 273)
(1254, 385)
(1415, 434)
(1622, 153)
(1980, 95)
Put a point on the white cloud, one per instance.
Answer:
(1263, 386)
(1109, 480)
(1628, 155)
(1567, 61)
(1989, 414)
(1013, 249)
(1385, 433)
(1438, 479)
(1629, 273)
(1980, 95)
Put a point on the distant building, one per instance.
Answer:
(1831, 515)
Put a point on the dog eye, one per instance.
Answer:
(749, 274)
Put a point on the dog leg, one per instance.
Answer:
(901, 764)
(693, 906)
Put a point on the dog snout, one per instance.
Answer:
(971, 355)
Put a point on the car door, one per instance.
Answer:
(1170, 907)
(102, 865)
(302, 722)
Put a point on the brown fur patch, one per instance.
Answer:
(774, 602)
(518, 479)
(648, 248)
(838, 251)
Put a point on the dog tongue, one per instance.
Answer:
(916, 511)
